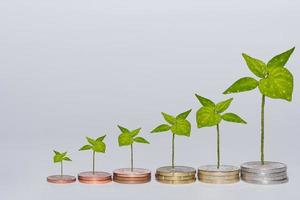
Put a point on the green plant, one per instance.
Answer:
(127, 138)
(96, 146)
(178, 126)
(210, 114)
(275, 82)
(60, 157)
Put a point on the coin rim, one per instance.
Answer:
(71, 179)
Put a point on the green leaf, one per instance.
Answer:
(67, 159)
(125, 139)
(256, 66)
(85, 147)
(141, 140)
(99, 147)
(135, 132)
(169, 118)
(205, 101)
(56, 152)
(281, 59)
(181, 127)
(223, 105)
(278, 85)
(90, 140)
(101, 138)
(242, 85)
(206, 116)
(183, 115)
(231, 117)
(161, 128)
(123, 129)
(57, 158)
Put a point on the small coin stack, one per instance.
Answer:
(267, 173)
(61, 179)
(94, 178)
(225, 174)
(132, 176)
(176, 175)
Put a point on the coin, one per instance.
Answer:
(132, 180)
(201, 176)
(134, 176)
(61, 179)
(174, 178)
(223, 170)
(94, 178)
(265, 182)
(267, 167)
(177, 182)
(220, 181)
(245, 173)
(176, 171)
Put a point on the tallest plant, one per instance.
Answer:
(273, 80)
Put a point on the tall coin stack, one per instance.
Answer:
(175, 175)
(267, 173)
(225, 174)
(132, 176)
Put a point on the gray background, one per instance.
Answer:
(71, 69)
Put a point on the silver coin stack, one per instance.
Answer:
(267, 174)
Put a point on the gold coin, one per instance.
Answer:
(177, 182)
(219, 181)
(218, 177)
(176, 171)
(223, 170)
(174, 178)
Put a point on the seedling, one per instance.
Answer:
(96, 146)
(211, 114)
(178, 126)
(275, 81)
(59, 158)
(128, 138)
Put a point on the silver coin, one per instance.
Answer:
(267, 167)
(264, 182)
(263, 175)
(264, 178)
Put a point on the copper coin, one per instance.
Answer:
(94, 178)
(131, 178)
(135, 172)
(130, 181)
(61, 179)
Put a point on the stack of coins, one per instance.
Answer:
(94, 178)
(132, 176)
(225, 174)
(61, 179)
(176, 175)
(267, 173)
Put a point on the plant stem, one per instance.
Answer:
(131, 166)
(262, 129)
(218, 146)
(93, 162)
(173, 149)
(61, 168)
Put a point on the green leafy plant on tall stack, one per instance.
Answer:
(128, 138)
(59, 158)
(178, 126)
(273, 80)
(96, 146)
(211, 114)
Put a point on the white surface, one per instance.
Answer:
(70, 69)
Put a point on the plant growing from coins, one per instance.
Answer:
(128, 138)
(211, 114)
(275, 81)
(59, 158)
(96, 145)
(178, 125)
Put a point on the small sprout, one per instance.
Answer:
(96, 145)
(275, 82)
(127, 138)
(178, 126)
(60, 157)
(211, 115)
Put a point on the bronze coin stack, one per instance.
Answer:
(132, 176)
(175, 175)
(225, 174)
(94, 177)
(61, 179)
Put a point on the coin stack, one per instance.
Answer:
(267, 173)
(175, 175)
(94, 177)
(225, 174)
(61, 179)
(132, 176)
